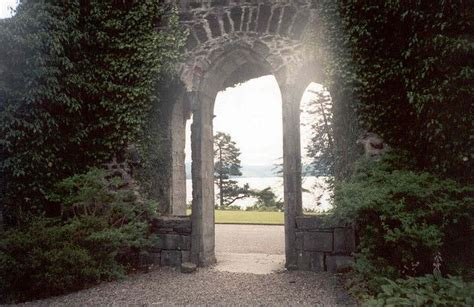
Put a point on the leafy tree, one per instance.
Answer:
(227, 165)
(321, 148)
(77, 80)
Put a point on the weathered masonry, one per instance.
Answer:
(232, 41)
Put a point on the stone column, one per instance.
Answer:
(203, 238)
(178, 168)
(291, 171)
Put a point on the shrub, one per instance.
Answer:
(102, 218)
(404, 217)
(424, 291)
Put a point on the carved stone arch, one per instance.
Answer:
(225, 70)
(231, 42)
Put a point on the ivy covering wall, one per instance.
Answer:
(404, 70)
(77, 81)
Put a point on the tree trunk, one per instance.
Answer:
(221, 182)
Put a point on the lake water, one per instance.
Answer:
(318, 197)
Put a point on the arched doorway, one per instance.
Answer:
(231, 67)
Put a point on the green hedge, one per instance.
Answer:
(404, 218)
(77, 81)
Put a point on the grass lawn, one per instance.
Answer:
(247, 217)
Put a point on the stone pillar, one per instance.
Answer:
(291, 171)
(178, 168)
(203, 238)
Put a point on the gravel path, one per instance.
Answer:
(240, 249)
(208, 286)
(246, 239)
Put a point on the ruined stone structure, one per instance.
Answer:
(174, 241)
(323, 248)
(232, 41)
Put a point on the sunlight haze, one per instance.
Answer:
(251, 112)
(5, 6)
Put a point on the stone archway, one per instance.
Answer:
(231, 42)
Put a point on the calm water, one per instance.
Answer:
(317, 198)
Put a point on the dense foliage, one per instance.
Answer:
(404, 218)
(424, 291)
(403, 70)
(103, 222)
(77, 79)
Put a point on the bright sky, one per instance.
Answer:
(252, 114)
(5, 6)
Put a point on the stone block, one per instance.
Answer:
(167, 224)
(214, 26)
(185, 243)
(168, 241)
(318, 241)
(303, 260)
(309, 222)
(185, 256)
(344, 241)
(188, 267)
(149, 258)
(299, 240)
(171, 258)
(339, 264)
(310, 261)
(261, 48)
(264, 13)
(236, 15)
(173, 242)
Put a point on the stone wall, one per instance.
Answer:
(323, 248)
(174, 244)
(274, 29)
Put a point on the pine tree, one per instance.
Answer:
(227, 165)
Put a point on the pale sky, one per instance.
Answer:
(252, 114)
(5, 6)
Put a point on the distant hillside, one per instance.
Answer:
(261, 171)
(247, 171)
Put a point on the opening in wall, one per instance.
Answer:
(316, 148)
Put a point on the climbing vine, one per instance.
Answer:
(404, 70)
(77, 80)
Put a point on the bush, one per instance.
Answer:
(405, 217)
(424, 291)
(102, 218)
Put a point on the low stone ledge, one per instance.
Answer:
(321, 247)
(344, 240)
(320, 241)
(311, 261)
(171, 258)
(172, 224)
(309, 222)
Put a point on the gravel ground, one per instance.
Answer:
(240, 249)
(166, 286)
(247, 239)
